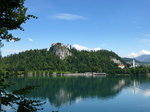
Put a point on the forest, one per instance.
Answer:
(79, 62)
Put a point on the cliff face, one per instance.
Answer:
(60, 50)
(116, 60)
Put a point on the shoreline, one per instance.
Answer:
(87, 74)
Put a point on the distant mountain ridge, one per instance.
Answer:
(143, 58)
(130, 60)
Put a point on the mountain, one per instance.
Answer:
(130, 60)
(61, 58)
(143, 58)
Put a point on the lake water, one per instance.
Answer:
(89, 94)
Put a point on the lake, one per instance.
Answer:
(89, 94)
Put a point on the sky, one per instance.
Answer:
(122, 26)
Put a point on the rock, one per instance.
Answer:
(115, 60)
(60, 50)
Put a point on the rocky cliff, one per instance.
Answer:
(60, 50)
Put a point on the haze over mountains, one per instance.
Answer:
(139, 59)
(143, 58)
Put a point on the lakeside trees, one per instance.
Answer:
(80, 61)
(37, 61)
(1, 45)
(12, 15)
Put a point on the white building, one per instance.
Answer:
(134, 64)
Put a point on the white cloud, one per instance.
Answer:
(66, 16)
(80, 48)
(145, 52)
(131, 55)
(30, 39)
(13, 50)
(142, 52)
(97, 49)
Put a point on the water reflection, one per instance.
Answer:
(67, 90)
(143, 88)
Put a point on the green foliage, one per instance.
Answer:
(17, 97)
(80, 61)
(12, 16)
(139, 71)
(46, 62)
(1, 45)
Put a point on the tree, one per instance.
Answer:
(1, 45)
(12, 16)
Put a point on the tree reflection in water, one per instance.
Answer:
(67, 90)
(63, 90)
(17, 97)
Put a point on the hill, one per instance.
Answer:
(130, 60)
(143, 58)
(72, 60)
(138, 63)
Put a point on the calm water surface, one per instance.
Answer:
(81, 94)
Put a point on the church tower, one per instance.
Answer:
(133, 63)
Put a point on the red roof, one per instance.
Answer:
(121, 65)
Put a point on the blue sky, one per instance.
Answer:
(122, 26)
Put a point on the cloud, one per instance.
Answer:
(66, 16)
(142, 52)
(145, 52)
(80, 48)
(97, 49)
(13, 50)
(131, 55)
(30, 39)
